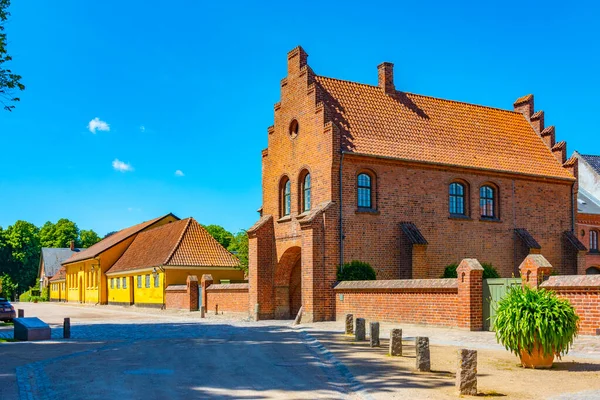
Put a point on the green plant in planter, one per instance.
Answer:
(528, 318)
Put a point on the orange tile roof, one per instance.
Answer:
(112, 240)
(60, 275)
(180, 243)
(426, 129)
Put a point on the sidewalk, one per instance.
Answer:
(584, 346)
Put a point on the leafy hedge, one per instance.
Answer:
(488, 271)
(356, 271)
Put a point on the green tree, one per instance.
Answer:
(10, 82)
(60, 234)
(23, 240)
(88, 238)
(7, 286)
(239, 247)
(222, 235)
(109, 234)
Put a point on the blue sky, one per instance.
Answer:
(187, 86)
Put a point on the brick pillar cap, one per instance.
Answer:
(192, 278)
(469, 264)
(207, 277)
(534, 260)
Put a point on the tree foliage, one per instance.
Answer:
(236, 244)
(7, 286)
(88, 238)
(221, 234)
(10, 83)
(239, 247)
(20, 246)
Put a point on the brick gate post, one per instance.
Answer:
(206, 281)
(534, 269)
(470, 294)
(192, 292)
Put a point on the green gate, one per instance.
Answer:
(494, 290)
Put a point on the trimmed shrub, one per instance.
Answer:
(488, 271)
(24, 297)
(356, 271)
(46, 294)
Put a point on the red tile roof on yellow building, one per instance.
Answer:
(180, 243)
(419, 128)
(59, 275)
(112, 240)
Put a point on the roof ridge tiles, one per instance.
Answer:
(425, 96)
(183, 232)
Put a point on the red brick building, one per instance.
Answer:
(588, 211)
(405, 182)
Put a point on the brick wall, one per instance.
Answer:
(231, 297)
(183, 297)
(440, 302)
(427, 301)
(584, 294)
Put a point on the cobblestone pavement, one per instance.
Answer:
(166, 356)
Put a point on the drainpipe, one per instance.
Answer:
(341, 212)
(164, 306)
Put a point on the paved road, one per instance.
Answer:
(121, 356)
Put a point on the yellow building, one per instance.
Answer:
(57, 285)
(164, 256)
(85, 279)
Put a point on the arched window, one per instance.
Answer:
(487, 201)
(364, 191)
(286, 196)
(306, 193)
(457, 198)
(593, 240)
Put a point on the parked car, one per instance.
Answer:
(7, 311)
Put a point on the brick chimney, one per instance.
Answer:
(72, 245)
(386, 77)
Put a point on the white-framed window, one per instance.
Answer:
(156, 280)
(148, 280)
(139, 281)
(124, 282)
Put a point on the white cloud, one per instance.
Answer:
(121, 166)
(179, 173)
(142, 128)
(98, 125)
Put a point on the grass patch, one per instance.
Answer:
(6, 323)
(8, 340)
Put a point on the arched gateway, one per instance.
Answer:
(288, 284)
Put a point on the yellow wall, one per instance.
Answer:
(57, 290)
(143, 295)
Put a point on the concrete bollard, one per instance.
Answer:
(216, 309)
(67, 328)
(466, 373)
(202, 312)
(349, 324)
(396, 342)
(423, 355)
(20, 313)
(374, 334)
(359, 333)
